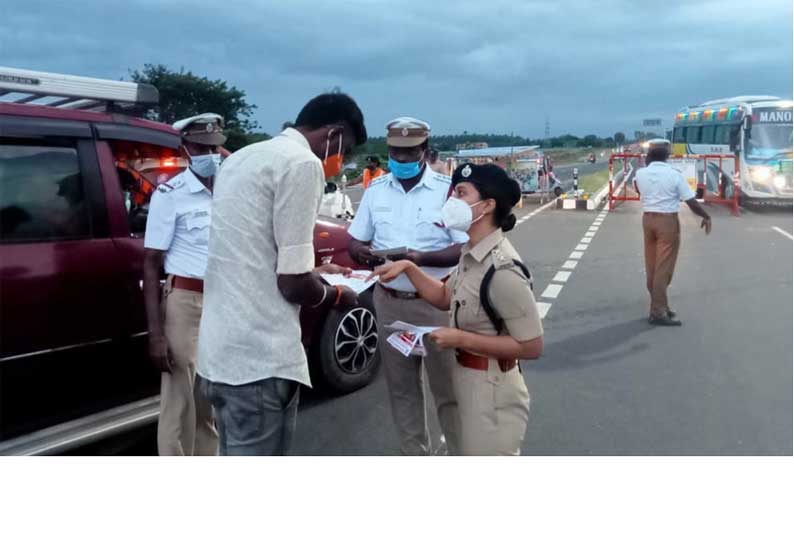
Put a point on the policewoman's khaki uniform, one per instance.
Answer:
(493, 400)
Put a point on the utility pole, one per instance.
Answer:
(547, 131)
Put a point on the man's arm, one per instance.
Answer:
(698, 210)
(295, 205)
(689, 197)
(160, 227)
(158, 345)
(446, 257)
(357, 180)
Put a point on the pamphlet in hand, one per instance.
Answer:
(357, 281)
(407, 338)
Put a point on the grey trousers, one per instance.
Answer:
(405, 379)
(254, 419)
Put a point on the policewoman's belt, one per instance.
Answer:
(187, 283)
(480, 363)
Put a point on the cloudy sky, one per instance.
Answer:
(482, 66)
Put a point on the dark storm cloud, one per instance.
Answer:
(490, 66)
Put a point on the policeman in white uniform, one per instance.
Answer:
(177, 237)
(403, 209)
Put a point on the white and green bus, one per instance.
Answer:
(755, 129)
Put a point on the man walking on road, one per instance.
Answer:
(401, 211)
(662, 188)
(371, 172)
(260, 272)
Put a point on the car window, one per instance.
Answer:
(693, 134)
(41, 194)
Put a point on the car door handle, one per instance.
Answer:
(140, 284)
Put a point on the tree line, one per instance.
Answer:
(184, 94)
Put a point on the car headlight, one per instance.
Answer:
(761, 174)
(780, 181)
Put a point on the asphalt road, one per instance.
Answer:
(609, 383)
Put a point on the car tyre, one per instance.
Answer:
(347, 353)
(557, 191)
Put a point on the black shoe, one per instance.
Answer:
(671, 314)
(664, 321)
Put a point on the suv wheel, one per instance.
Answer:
(348, 348)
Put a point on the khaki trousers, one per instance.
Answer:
(494, 410)
(662, 239)
(405, 380)
(185, 426)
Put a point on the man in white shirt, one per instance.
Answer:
(177, 235)
(260, 272)
(403, 209)
(662, 188)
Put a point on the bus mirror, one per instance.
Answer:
(734, 141)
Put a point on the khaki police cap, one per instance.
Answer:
(406, 132)
(205, 129)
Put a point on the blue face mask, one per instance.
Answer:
(404, 170)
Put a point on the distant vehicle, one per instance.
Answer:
(531, 180)
(591, 158)
(74, 191)
(756, 129)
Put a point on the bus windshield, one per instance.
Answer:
(768, 141)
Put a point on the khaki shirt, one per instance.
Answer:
(509, 292)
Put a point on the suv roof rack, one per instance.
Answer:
(75, 92)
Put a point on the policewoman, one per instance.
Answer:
(177, 239)
(493, 317)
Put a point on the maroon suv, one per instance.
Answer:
(73, 363)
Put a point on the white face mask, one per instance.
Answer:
(205, 165)
(456, 214)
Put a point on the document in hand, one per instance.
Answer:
(357, 281)
(407, 338)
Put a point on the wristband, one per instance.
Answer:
(338, 295)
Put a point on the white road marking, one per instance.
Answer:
(593, 229)
(783, 232)
(570, 264)
(562, 276)
(581, 247)
(586, 239)
(552, 291)
(576, 255)
(543, 309)
(589, 234)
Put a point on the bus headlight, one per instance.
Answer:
(761, 174)
(780, 181)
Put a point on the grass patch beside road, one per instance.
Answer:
(566, 157)
(594, 182)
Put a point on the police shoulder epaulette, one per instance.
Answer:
(500, 261)
(168, 186)
(379, 180)
(440, 177)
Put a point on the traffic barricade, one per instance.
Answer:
(623, 189)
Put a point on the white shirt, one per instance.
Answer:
(392, 218)
(662, 188)
(264, 210)
(178, 222)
